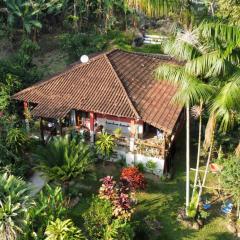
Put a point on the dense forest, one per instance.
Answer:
(80, 200)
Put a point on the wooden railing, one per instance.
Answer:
(150, 149)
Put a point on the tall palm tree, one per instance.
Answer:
(211, 55)
(15, 201)
(191, 90)
(219, 61)
(197, 113)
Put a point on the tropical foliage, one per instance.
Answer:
(121, 196)
(63, 230)
(50, 205)
(209, 76)
(230, 178)
(134, 178)
(63, 159)
(15, 202)
(100, 224)
(105, 145)
(206, 74)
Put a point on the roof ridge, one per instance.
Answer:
(122, 86)
(154, 55)
(43, 82)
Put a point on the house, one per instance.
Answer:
(112, 90)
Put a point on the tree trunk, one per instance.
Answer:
(187, 156)
(75, 16)
(199, 151)
(207, 166)
(238, 209)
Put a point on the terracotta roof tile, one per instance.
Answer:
(117, 83)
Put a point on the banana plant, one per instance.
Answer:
(22, 10)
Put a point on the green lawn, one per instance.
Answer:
(161, 199)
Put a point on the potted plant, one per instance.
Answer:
(118, 132)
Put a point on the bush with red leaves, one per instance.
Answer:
(134, 178)
(108, 188)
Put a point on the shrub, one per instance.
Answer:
(108, 188)
(134, 177)
(105, 145)
(50, 205)
(63, 159)
(118, 132)
(21, 64)
(16, 140)
(119, 230)
(15, 202)
(151, 165)
(97, 217)
(141, 167)
(77, 44)
(63, 230)
(99, 222)
(120, 196)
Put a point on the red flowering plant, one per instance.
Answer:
(120, 195)
(134, 178)
(123, 206)
(108, 188)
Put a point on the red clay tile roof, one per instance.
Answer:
(117, 83)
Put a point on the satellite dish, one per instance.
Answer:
(84, 59)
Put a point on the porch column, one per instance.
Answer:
(60, 126)
(41, 130)
(140, 129)
(26, 112)
(132, 135)
(73, 118)
(92, 126)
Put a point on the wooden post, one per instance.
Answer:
(60, 126)
(132, 135)
(41, 130)
(92, 120)
(25, 107)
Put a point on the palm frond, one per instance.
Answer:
(185, 46)
(153, 8)
(190, 89)
(226, 104)
(208, 65)
(218, 30)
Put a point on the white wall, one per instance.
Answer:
(111, 125)
(133, 159)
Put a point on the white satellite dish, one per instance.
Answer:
(84, 59)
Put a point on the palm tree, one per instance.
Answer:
(105, 145)
(197, 113)
(191, 90)
(64, 159)
(220, 61)
(15, 201)
(63, 230)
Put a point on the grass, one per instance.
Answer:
(161, 199)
